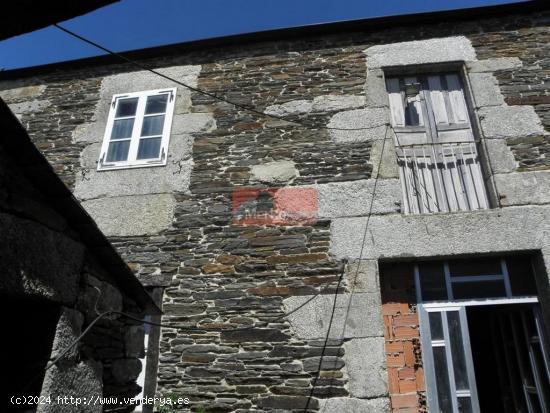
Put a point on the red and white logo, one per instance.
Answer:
(275, 206)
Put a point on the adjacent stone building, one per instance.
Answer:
(59, 274)
(407, 154)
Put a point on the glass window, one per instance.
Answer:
(138, 130)
(122, 129)
(464, 405)
(149, 148)
(156, 104)
(432, 281)
(443, 385)
(118, 151)
(475, 267)
(436, 326)
(481, 289)
(152, 125)
(457, 351)
(126, 107)
(522, 279)
(493, 277)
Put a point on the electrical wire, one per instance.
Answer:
(263, 114)
(66, 349)
(142, 321)
(135, 318)
(327, 337)
(280, 118)
(363, 242)
(204, 92)
(194, 329)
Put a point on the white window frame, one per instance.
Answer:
(132, 161)
(460, 305)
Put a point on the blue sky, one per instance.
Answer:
(135, 24)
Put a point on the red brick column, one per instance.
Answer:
(402, 340)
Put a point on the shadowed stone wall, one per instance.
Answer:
(47, 263)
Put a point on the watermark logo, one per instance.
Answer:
(275, 206)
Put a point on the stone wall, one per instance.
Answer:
(176, 228)
(46, 261)
(523, 85)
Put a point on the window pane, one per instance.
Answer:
(156, 104)
(118, 151)
(442, 377)
(541, 369)
(464, 405)
(126, 107)
(473, 267)
(522, 279)
(152, 125)
(436, 326)
(122, 129)
(535, 403)
(480, 289)
(148, 148)
(457, 351)
(515, 325)
(432, 281)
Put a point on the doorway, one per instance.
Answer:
(484, 346)
(509, 358)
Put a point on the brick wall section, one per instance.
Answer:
(402, 340)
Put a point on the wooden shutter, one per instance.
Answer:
(436, 151)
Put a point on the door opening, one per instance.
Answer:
(484, 347)
(509, 359)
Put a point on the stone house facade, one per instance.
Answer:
(385, 218)
(60, 273)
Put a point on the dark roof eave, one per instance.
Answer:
(20, 19)
(369, 24)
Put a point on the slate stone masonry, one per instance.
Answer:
(219, 276)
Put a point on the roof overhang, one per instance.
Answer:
(301, 32)
(23, 16)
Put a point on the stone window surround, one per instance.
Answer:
(494, 121)
(484, 98)
(497, 121)
(146, 194)
(445, 54)
(491, 117)
(139, 117)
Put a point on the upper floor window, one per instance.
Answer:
(138, 129)
(437, 154)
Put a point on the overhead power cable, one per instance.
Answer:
(66, 349)
(202, 330)
(204, 92)
(363, 241)
(165, 325)
(263, 114)
(190, 329)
